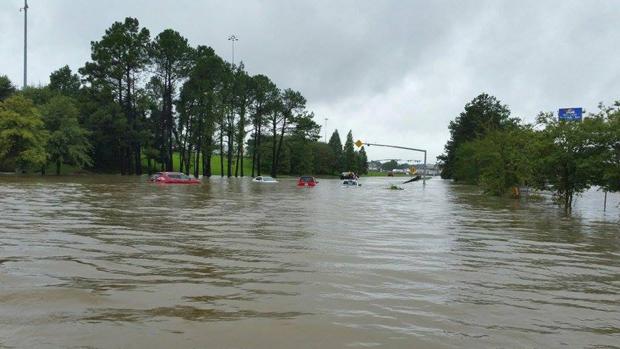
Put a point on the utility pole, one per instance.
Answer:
(325, 129)
(233, 38)
(25, 9)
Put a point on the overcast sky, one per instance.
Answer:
(393, 72)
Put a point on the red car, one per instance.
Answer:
(173, 178)
(307, 181)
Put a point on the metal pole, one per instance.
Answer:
(325, 130)
(424, 178)
(233, 38)
(399, 147)
(25, 8)
(605, 202)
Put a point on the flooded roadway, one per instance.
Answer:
(114, 262)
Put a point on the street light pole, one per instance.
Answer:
(25, 9)
(325, 131)
(232, 39)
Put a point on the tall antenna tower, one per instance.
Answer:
(25, 9)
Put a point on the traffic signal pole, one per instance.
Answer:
(359, 144)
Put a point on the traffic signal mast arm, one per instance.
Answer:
(359, 144)
(394, 146)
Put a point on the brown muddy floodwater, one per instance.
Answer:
(115, 262)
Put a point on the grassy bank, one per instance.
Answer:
(216, 162)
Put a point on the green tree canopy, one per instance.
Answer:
(349, 157)
(68, 143)
(362, 161)
(170, 56)
(499, 161)
(22, 134)
(568, 155)
(65, 82)
(482, 115)
(336, 145)
(6, 87)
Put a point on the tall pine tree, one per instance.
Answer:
(336, 145)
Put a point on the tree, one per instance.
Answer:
(499, 161)
(349, 154)
(170, 56)
(291, 106)
(201, 107)
(263, 95)
(324, 159)
(362, 161)
(482, 115)
(64, 82)
(118, 61)
(242, 102)
(22, 134)
(606, 124)
(67, 143)
(336, 145)
(567, 156)
(390, 165)
(6, 87)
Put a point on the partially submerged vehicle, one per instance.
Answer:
(264, 179)
(307, 181)
(173, 178)
(351, 183)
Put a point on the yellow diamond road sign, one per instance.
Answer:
(359, 143)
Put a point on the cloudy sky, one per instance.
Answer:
(393, 72)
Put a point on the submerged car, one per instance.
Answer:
(351, 183)
(173, 178)
(264, 179)
(307, 181)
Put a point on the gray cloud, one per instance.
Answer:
(392, 71)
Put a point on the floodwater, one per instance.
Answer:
(115, 262)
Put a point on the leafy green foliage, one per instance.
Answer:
(498, 161)
(67, 143)
(163, 104)
(336, 145)
(118, 61)
(362, 161)
(350, 163)
(482, 115)
(22, 135)
(6, 87)
(64, 82)
(568, 153)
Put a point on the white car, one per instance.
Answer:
(264, 179)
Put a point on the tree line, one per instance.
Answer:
(500, 153)
(145, 104)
